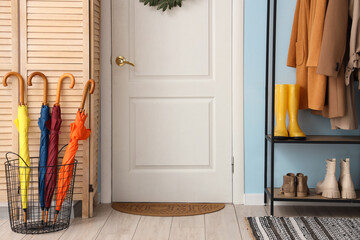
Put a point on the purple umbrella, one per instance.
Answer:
(51, 170)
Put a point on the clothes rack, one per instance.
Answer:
(272, 194)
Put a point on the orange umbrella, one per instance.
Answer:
(78, 132)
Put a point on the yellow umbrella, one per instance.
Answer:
(22, 123)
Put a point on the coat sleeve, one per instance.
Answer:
(316, 33)
(291, 60)
(333, 46)
(354, 45)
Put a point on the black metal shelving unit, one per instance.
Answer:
(270, 192)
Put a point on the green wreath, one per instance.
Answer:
(163, 4)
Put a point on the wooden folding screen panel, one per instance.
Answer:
(54, 38)
(95, 98)
(9, 61)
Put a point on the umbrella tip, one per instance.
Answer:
(25, 217)
(46, 216)
(56, 214)
(42, 216)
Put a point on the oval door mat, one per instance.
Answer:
(167, 209)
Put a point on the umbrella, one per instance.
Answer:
(51, 170)
(22, 123)
(44, 140)
(78, 132)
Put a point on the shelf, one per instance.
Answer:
(320, 139)
(312, 197)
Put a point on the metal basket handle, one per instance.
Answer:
(7, 159)
(62, 148)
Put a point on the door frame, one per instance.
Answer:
(105, 163)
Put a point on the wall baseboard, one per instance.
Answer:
(258, 199)
(254, 199)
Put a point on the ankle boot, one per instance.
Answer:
(288, 187)
(346, 184)
(302, 189)
(329, 186)
(281, 102)
(293, 106)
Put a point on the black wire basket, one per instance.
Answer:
(32, 220)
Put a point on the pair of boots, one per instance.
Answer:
(294, 185)
(287, 97)
(330, 187)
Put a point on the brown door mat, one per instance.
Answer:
(167, 209)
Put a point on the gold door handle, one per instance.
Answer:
(121, 61)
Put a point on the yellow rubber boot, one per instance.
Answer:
(293, 106)
(281, 104)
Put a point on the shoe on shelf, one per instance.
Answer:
(329, 186)
(295, 131)
(346, 184)
(281, 105)
(288, 188)
(302, 189)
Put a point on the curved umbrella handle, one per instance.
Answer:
(45, 84)
(7, 159)
(92, 82)
(21, 84)
(72, 83)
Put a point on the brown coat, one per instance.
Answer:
(332, 57)
(298, 48)
(316, 82)
(304, 52)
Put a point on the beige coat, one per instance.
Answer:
(349, 120)
(304, 52)
(332, 56)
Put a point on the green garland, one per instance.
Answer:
(163, 4)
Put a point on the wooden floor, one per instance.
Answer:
(227, 224)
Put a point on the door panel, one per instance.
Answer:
(172, 136)
(183, 125)
(169, 56)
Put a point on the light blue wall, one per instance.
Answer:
(309, 159)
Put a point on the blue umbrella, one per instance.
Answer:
(43, 123)
(44, 147)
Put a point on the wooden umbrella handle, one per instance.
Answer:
(45, 84)
(92, 82)
(72, 83)
(21, 84)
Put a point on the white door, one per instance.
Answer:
(171, 113)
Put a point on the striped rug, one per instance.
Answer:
(304, 228)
